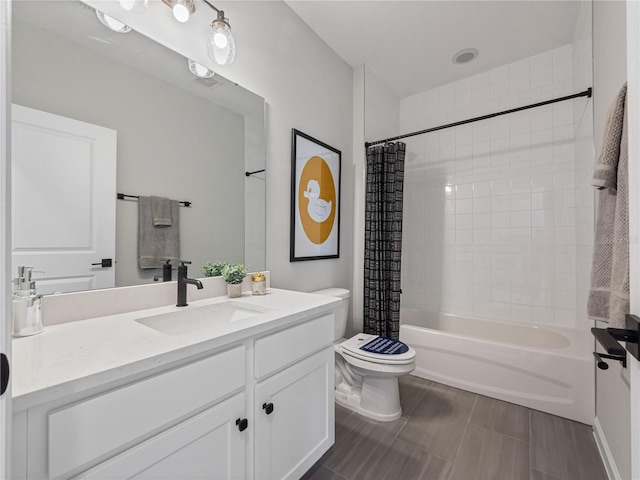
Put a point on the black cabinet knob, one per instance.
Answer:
(268, 408)
(242, 424)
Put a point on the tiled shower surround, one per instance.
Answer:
(493, 210)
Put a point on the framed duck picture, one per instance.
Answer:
(315, 199)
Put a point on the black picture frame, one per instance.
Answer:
(315, 199)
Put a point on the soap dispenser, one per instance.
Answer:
(26, 305)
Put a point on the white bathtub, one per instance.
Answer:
(544, 368)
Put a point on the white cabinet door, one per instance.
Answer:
(300, 425)
(207, 446)
(63, 200)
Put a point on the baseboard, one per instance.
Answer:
(605, 452)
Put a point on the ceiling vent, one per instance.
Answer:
(465, 56)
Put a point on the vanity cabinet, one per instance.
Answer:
(209, 445)
(294, 417)
(207, 417)
(294, 409)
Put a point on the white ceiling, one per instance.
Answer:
(409, 44)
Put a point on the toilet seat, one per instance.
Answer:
(353, 348)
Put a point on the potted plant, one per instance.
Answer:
(234, 275)
(213, 269)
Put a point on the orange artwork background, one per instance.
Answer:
(317, 169)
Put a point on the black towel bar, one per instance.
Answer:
(123, 196)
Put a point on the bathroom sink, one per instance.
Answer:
(194, 318)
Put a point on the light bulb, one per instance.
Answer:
(181, 12)
(220, 39)
(128, 4)
(221, 47)
(134, 6)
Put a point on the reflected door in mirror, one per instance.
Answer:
(63, 200)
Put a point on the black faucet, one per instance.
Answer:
(182, 283)
(166, 271)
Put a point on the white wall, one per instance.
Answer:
(306, 86)
(203, 165)
(609, 73)
(490, 212)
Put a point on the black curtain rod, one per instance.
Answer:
(122, 196)
(587, 93)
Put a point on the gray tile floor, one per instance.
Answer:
(447, 433)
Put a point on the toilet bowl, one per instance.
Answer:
(368, 367)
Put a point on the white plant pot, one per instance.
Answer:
(234, 290)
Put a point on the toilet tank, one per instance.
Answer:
(340, 324)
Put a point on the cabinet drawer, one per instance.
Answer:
(206, 446)
(95, 427)
(283, 348)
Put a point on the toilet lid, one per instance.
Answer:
(378, 349)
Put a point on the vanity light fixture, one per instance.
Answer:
(221, 45)
(182, 9)
(134, 6)
(112, 23)
(200, 70)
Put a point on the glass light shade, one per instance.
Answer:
(221, 46)
(112, 23)
(181, 11)
(134, 6)
(200, 70)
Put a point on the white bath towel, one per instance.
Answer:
(609, 295)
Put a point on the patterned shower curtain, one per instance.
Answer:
(383, 239)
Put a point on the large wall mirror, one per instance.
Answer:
(175, 135)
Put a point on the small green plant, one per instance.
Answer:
(234, 273)
(213, 269)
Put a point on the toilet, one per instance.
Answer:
(368, 367)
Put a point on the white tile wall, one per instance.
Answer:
(497, 212)
(583, 201)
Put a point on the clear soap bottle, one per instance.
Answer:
(26, 305)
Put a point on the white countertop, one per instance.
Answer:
(76, 356)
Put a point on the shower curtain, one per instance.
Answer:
(383, 239)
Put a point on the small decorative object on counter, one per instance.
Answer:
(213, 269)
(258, 284)
(234, 275)
(26, 305)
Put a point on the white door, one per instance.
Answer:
(208, 446)
(63, 175)
(5, 228)
(294, 418)
(633, 113)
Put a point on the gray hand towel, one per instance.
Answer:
(155, 245)
(161, 210)
(609, 295)
(606, 173)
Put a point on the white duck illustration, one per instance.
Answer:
(318, 209)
